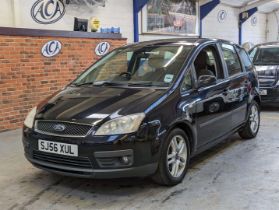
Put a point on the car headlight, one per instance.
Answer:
(29, 120)
(122, 125)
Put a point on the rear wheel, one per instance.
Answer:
(174, 159)
(251, 128)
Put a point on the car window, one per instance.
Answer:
(245, 59)
(187, 83)
(267, 55)
(231, 59)
(208, 63)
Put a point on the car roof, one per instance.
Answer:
(188, 41)
(268, 44)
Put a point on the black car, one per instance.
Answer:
(146, 109)
(266, 60)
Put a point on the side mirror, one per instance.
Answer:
(206, 80)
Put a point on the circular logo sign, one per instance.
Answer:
(254, 21)
(47, 11)
(51, 48)
(222, 15)
(102, 48)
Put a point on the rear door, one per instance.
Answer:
(237, 94)
(212, 110)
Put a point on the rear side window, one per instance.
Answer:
(245, 59)
(231, 59)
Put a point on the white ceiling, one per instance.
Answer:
(265, 5)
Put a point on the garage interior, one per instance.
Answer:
(236, 174)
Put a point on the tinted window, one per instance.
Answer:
(208, 63)
(268, 55)
(245, 59)
(155, 65)
(231, 59)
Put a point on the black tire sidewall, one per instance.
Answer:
(163, 160)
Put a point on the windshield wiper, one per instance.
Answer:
(83, 84)
(148, 84)
(107, 83)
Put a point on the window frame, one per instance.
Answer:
(238, 49)
(190, 70)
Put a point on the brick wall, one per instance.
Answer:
(26, 77)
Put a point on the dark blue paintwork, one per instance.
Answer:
(207, 115)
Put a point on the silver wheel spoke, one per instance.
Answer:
(254, 119)
(177, 156)
(171, 161)
(172, 155)
(181, 148)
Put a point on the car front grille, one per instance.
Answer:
(268, 77)
(66, 129)
(76, 162)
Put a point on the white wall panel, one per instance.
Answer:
(255, 33)
(228, 29)
(272, 27)
(6, 13)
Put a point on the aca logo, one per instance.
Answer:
(48, 11)
(254, 21)
(102, 48)
(222, 15)
(51, 48)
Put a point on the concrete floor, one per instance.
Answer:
(234, 175)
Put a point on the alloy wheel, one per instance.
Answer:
(177, 156)
(254, 119)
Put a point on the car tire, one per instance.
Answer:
(251, 128)
(174, 160)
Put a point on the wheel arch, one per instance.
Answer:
(189, 132)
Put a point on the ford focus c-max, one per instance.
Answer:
(144, 110)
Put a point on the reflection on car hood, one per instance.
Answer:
(90, 104)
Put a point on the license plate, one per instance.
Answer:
(58, 148)
(263, 92)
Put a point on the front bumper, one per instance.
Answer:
(99, 158)
(272, 97)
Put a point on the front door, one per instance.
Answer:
(213, 117)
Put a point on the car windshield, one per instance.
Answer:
(266, 56)
(137, 66)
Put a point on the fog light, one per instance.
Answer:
(125, 160)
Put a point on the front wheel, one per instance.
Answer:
(251, 128)
(174, 159)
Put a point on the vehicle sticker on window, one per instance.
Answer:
(168, 78)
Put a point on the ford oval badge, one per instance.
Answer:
(59, 127)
